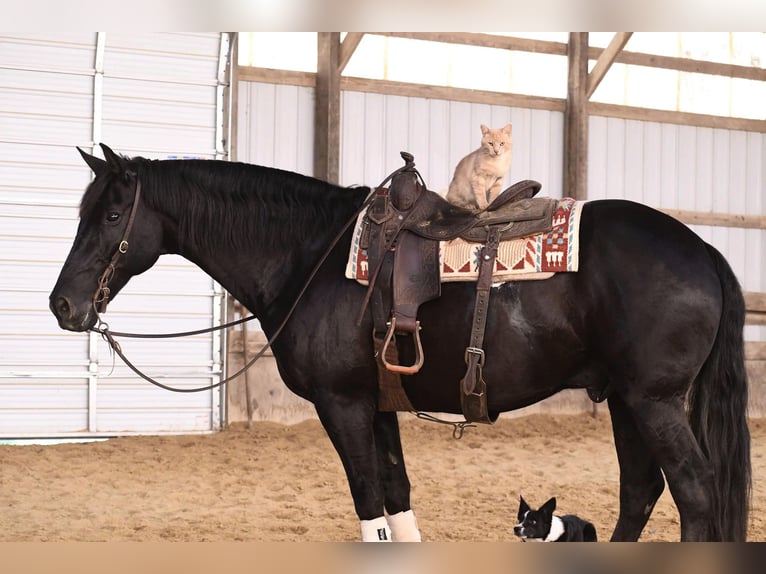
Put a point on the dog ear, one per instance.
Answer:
(549, 506)
(523, 508)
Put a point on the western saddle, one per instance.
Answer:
(402, 229)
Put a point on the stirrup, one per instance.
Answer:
(418, 351)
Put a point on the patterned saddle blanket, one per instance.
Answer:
(533, 257)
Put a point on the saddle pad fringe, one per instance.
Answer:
(529, 258)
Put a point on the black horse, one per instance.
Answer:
(653, 318)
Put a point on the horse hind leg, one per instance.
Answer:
(666, 431)
(641, 481)
(393, 473)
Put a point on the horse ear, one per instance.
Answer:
(98, 165)
(114, 161)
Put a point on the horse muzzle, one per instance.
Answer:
(70, 316)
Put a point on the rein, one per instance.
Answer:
(101, 298)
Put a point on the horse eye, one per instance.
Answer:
(113, 216)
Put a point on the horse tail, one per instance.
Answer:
(717, 410)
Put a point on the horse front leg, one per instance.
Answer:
(349, 425)
(396, 484)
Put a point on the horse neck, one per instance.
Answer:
(261, 240)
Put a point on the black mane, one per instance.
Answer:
(236, 204)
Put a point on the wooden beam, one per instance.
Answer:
(717, 219)
(674, 117)
(407, 89)
(272, 76)
(560, 49)
(755, 301)
(350, 42)
(484, 40)
(685, 65)
(576, 119)
(605, 60)
(755, 351)
(308, 79)
(327, 108)
(755, 304)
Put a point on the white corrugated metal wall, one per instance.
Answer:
(376, 127)
(276, 127)
(156, 95)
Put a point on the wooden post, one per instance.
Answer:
(327, 108)
(576, 119)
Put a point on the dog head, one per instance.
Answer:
(534, 524)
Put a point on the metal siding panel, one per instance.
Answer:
(540, 145)
(687, 145)
(464, 136)
(615, 158)
(262, 125)
(755, 181)
(196, 45)
(70, 52)
(652, 164)
(373, 142)
(440, 169)
(133, 61)
(396, 134)
(45, 110)
(499, 117)
(721, 170)
(634, 161)
(418, 136)
(555, 182)
(597, 166)
(306, 104)
(285, 138)
(668, 166)
(737, 192)
(352, 139)
(244, 115)
(703, 162)
(521, 164)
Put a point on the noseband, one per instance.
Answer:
(101, 296)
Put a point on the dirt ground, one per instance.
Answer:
(285, 483)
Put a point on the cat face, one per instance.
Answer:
(496, 141)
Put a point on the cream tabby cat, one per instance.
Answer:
(479, 175)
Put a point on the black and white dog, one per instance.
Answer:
(542, 526)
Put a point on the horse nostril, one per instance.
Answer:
(62, 307)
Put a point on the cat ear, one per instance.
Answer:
(508, 129)
(484, 129)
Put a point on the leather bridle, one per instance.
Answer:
(101, 296)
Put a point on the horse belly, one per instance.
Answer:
(531, 349)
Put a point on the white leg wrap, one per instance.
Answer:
(404, 527)
(375, 530)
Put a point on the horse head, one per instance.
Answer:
(118, 237)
